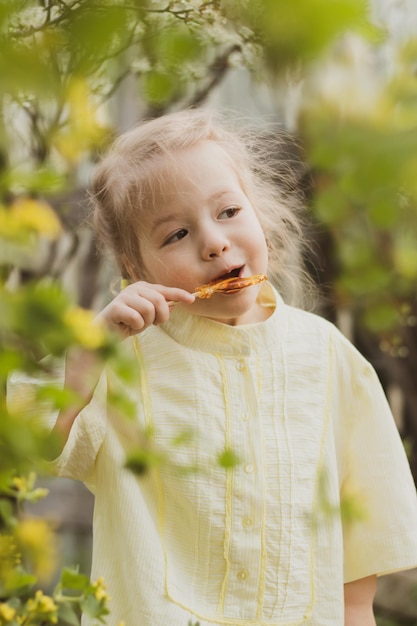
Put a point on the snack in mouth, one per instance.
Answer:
(228, 285)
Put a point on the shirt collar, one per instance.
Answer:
(200, 333)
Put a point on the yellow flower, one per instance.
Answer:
(100, 592)
(43, 605)
(24, 485)
(37, 216)
(7, 613)
(37, 543)
(86, 331)
(19, 483)
(83, 129)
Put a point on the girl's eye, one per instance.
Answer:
(179, 234)
(231, 211)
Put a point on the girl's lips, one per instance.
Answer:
(233, 273)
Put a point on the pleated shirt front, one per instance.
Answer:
(267, 542)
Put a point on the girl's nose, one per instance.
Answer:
(214, 245)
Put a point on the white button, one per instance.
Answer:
(247, 522)
(249, 468)
(240, 365)
(243, 574)
(245, 417)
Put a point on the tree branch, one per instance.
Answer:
(217, 71)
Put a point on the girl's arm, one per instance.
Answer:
(82, 371)
(359, 598)
(130, 312)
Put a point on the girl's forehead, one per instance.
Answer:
(204, 168)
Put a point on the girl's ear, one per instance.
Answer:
(129, 269)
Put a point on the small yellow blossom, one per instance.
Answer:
(100, 592)
(86, 331)
(83, 129)
(7, 613)
(37, 543)
(37, 216)
(43, 605)
(24, 486)
(19, 483)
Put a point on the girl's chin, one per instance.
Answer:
(229, 311)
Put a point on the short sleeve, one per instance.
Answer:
(22, 394)
(78, 457)
(376, 473)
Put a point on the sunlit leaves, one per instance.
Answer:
(171, 49)
(363, 154)
(69, 57)
(159, 87)
(97, 30)
(294, 32)
(405, 254)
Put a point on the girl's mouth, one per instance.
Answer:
(235, 273)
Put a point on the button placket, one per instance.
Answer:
(245, 548)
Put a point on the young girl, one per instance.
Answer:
(181, 202)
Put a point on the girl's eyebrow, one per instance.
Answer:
(218, 195)
(170, 217)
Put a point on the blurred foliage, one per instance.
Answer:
(293, 34)
(27, 561)
(361, 133)
(61, 64)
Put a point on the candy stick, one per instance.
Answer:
(228, 285)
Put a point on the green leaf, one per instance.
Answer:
(159, 87)
(228, 459)
(293, 32)
(141, 461)
(67, 614)
(381, 317)
(60, 398)
(7, 512)
(331, 206)
(177, 46)
(93, 607)
(405, 255)
(72, 580)
(19, 582)
(384, 211)
(10, 360)
(363, 283)
(94, 31)
(184, 436)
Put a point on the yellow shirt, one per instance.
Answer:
(263, 544)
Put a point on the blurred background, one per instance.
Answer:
(340, 77)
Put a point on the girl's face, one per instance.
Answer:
(204, 228)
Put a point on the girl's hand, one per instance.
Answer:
(140, 305)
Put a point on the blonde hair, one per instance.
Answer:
(124, 184)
